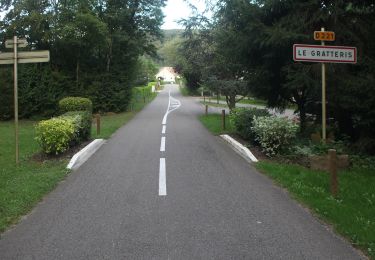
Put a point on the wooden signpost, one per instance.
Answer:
(324, 54)
(15, 58)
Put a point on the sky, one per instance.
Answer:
(177, 9)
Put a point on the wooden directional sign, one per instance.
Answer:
(22, 43)
(326, 54)
(24, 57)
(324, 36)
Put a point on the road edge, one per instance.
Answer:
(83, 155)
(239, 148)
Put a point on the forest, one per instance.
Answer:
(99, 50)
(241, 47)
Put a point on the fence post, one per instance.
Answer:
(333, 171)
(98, 124)
(223, 119)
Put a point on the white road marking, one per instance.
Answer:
(173, 104)
(162, 144)
(162, 178)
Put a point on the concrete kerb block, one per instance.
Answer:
(239, 148)
(82, 156)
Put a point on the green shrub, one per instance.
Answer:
(82, 124)
(242, 119)
(55, 135)
(75, 104)
(273, 133)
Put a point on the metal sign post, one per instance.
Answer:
(15, 80)
(15, 58)
(324, 54)
(324, 130)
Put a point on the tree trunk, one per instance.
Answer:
(77, 74)
(109, 56)
(231, 101)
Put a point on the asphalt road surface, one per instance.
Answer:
(170, 191)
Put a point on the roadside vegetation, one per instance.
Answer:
(285, 159)
(22, 186)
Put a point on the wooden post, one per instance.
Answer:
(206, 110)
(333, 171)
(223, 119)
(98, 124)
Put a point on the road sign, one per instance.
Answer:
(324, 36)
(21, 43)
(24, 57)
(326, 54)
(14, 58)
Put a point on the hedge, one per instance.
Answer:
(75, 104)
(55, 135)
(242, 119)
(84, 122)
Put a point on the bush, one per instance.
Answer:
(273, 133)
(242, 119)
(82, 124)
(75, 104)
(55, 135)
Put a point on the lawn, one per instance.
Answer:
(213, 123)
(23, 186)
(351, 214)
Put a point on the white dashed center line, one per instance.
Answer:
(162, 178)
(162, 144)
(173, 104)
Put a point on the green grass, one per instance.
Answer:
(21, 187)
(213, 123)
(352, 213)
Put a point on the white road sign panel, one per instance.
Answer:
(25, 57)
(21, 43)
(329, 54)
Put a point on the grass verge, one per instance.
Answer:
(352, 213)
(213, 123)
(23, 186)
(110, 123)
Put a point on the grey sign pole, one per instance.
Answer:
(15, 79)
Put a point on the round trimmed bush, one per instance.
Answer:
(75, 104)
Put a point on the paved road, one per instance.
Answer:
(213, 205)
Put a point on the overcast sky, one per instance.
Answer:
(177, 9)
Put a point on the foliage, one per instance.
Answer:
(251, 41)
(242, 119)
(273, 133)
(96, 51)
(55, 135)
(82, 123)
(75, 104)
